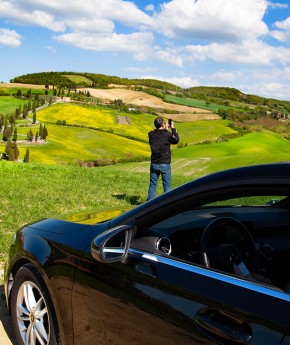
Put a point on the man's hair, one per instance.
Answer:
(158, 122)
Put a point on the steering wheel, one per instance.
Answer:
(225, 256)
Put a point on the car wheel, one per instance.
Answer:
(32, 312)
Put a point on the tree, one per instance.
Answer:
(40, 130)
(44, 133)
(25, 111)
(8, 146)
(14, 151)
(15, 135)
(34, 117)
(7, 133)
(26, 157)
(30, 135)
(11, 119)
(11, 156)
(28, 94)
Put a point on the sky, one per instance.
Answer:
(244, 44)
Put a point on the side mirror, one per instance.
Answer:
(112, 245)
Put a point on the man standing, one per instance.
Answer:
(160, 140)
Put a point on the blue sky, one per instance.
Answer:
(243, 44)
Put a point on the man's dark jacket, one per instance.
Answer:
(160, 141)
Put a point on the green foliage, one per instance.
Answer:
(74, 79)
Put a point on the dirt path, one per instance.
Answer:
(139, 98)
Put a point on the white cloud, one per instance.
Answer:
(140, 70)
(210, 20)
(225, 76)
(9, 38)
(136, 43)
(283, 32)
(150, 8)
(60, 15)
(184, 82)
(246, 52)
(276, 5)
(269, 90)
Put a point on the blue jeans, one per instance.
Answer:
(155, 171)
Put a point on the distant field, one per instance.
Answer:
(8, 104)
(98, 117)
(68, 145)
(253, 148)
(195, 103)
(198, 131)
(79, 79)
(198, 160)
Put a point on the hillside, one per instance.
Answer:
(142, 99)
(85, 123)
(101, 81)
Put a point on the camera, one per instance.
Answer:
(170, 122)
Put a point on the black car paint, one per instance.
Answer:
(184, 304)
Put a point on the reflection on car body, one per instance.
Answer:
(206, 263)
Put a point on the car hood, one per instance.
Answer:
(94, 216)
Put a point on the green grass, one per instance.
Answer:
(98, 117)
(253, 148)
(195, 103)
(67, 145)
(79, 79)
(198, 160)
(9, 104)
(198, 131)
(33, 191)
(56, 187)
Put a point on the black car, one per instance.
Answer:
(206, 263)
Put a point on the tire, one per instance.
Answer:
(32, 312)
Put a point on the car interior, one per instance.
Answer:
(245, 235)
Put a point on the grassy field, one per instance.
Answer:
(51, 184)
(195, 103)
(199, 131)
(79, 79)
(68, 144)
(33, 191)
(8, 104)
(98, 117)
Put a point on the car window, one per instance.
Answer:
(266, 219)
(250, 201)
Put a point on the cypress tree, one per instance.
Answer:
(7, 133)
(30, 135)
(26, 157)
(44, 133)
(40, 131)
(15, 153)
(34, 117)
(8, 146)
(11, 155)
(15, 135)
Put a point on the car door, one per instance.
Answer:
(157, 299)
(131, 288)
